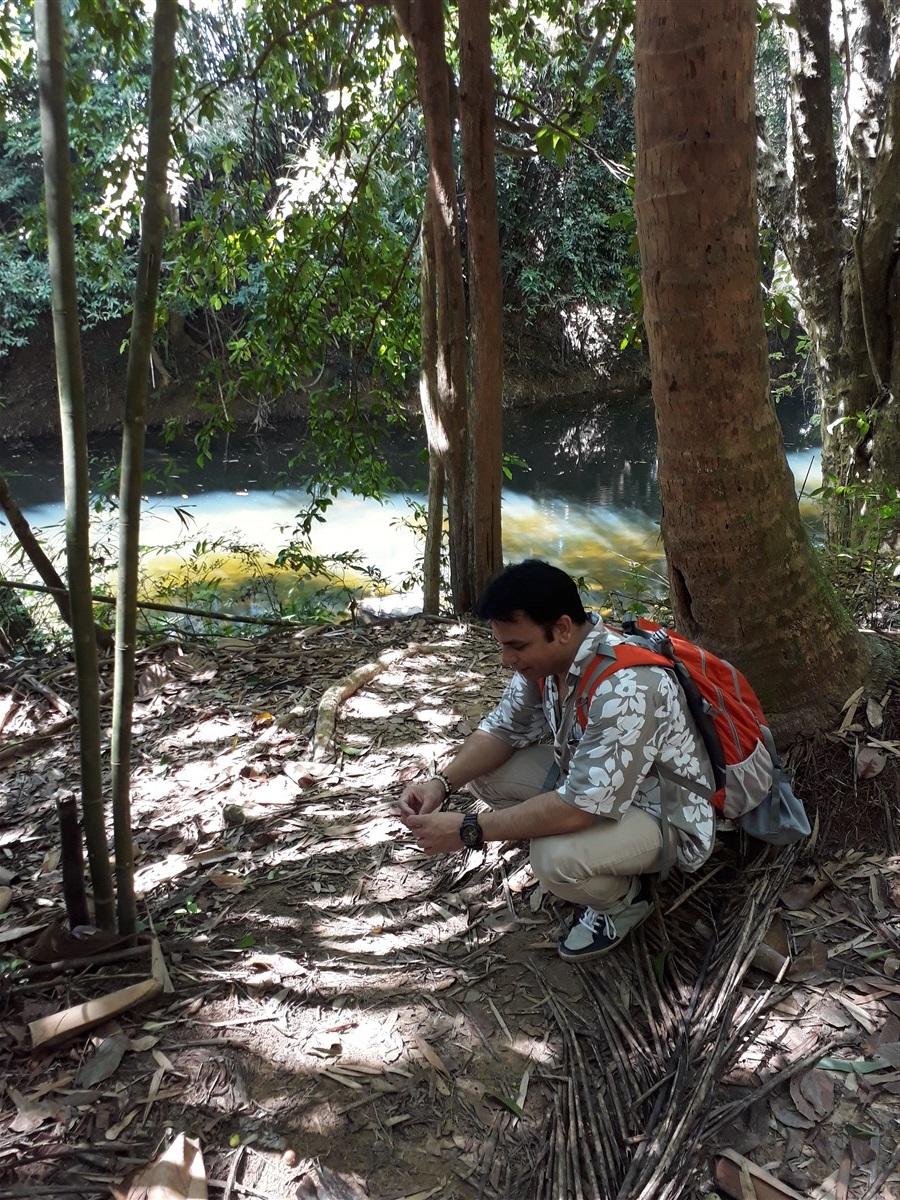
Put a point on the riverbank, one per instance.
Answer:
(539, 366)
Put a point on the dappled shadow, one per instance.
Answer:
(340, 997)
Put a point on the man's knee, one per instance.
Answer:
(520, 778)
(489, 790)
(553, 862)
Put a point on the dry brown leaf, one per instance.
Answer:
(889, 1052)
(869, 762)
(29, 1115)
(431, 1057)
(776, 937)
(178, 1174)
(818, 1088)
(732, 1168)
(813, 959)
(858, 1013)
(874, 712)
(152, 680)
(104, 1061)
(81, 1017)
(51, 1085)
(51, 860)
(112, 1134)
(5, 898)
(799, 895)
(321, 1183)
(803, 1106)
(785, 1115)
(226, 879)
(18, 931)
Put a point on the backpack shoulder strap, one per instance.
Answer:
(602, 666)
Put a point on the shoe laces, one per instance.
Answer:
(599, 922)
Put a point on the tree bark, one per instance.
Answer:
(434, 530)
(838, 231)
(745, 580)
(48, 22)
(41, 563)
(476, 119)
(153, 218)
(424, 20)
(72, 861)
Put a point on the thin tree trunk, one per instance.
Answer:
(423, 23)
(745, 580)
(49, 36)
(434, 529)
(155, 207)
(41, 563)
(72, 861)
(485, 395)
(837, 225)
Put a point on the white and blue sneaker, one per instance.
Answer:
(597, 932)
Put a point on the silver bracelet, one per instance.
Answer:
(442, 778)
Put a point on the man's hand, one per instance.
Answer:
(421, 798)
(436, 832)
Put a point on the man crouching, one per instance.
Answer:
(620, 793)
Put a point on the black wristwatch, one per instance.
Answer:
(470, 832)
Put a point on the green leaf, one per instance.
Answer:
(245, 942)
(859, 1066)
(510, 1104)
(658, 962)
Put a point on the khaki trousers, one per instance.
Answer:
(594, 866)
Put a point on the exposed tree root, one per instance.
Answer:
(334, 696)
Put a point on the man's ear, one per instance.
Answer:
(564, 627)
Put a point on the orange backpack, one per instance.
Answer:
(751, 786)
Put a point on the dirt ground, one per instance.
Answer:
(349, 1019)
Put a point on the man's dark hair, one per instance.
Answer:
(543, 592)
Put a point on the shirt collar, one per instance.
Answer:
(595, 643)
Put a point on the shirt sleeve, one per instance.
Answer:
(635, 720)
(519, 719)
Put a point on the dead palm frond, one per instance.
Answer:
(655, 1032)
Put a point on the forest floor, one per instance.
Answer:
(333, 1016)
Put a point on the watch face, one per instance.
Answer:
(469, 833)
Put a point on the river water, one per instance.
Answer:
(587, 500)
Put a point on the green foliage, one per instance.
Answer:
(868, 574)
(642, 593)
(565, 246)
(416, 521)
(107, 69)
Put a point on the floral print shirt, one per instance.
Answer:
(640, 745)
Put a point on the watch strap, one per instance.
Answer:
(470, 832)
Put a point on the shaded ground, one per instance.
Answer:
(351, 1019)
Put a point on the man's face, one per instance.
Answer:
(532, 649)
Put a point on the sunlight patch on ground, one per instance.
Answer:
(215, 729)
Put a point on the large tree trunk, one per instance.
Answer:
(70, 383)
(476, 118)
(153, 217)
(423, 23)
(745, 580)
(838, 230)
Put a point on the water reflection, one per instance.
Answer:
(587, 499)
